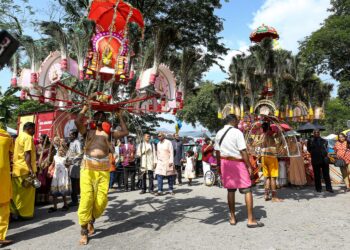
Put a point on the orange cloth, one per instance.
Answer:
(112, 163)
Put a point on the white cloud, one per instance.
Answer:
(215, 72)
(293, 19)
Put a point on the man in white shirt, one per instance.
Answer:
(147, 153)
(165, 164)
(235, 167)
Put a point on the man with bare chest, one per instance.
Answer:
(94, 173)
(269, 162)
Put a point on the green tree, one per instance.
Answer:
(337, 115)
(14, 15)
(292, 79)
(8, 104)
(327, 49)
(344, 92)
(202, 107)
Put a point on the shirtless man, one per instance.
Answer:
(94, 173)
(269, 162)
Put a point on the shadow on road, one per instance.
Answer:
(300, 193)
(42, 230)
(127, 217)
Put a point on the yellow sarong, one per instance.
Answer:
(23, 199)
(270, 166)
(93, 190)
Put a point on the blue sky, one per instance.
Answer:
(294, 19)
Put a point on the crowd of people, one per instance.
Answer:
(85, 168)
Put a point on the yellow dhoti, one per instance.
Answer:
(94, 182)
(23, 198)
(4, 219)
(270, 166)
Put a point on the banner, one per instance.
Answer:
(23, 120)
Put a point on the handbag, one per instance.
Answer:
(340, 163)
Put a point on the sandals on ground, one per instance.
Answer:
(65, 208)
(52, 210)
(258, 224)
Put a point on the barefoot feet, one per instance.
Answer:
(83, 240)
(91, 229)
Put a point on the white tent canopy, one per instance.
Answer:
(11, 131)
(331, 137)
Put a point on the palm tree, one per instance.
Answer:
(292, 80)
(239, 74)
(80, 36)
(190, 59)
(8, 103)
(281, 77)
(163, 37)
(56, 31)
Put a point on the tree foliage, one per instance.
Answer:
(13, 15)
(11, 106)
(183, 34)
(249, 72)
(328, 48)
(337, 115)
(292, 79)
(344, 92)
(202, 107)
(8, 104)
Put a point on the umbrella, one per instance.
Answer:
(292, 133)
(285, 127)
(103, 12)
(306, 128)
(345, 132)
(331, 137)
(319, 127)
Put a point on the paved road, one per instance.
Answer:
(197, 218)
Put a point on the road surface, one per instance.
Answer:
(197, 218)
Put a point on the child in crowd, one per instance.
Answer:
(60, 185)
(190, 170)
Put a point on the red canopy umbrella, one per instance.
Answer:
(262, 32)
(102, 12)
(284, 126)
